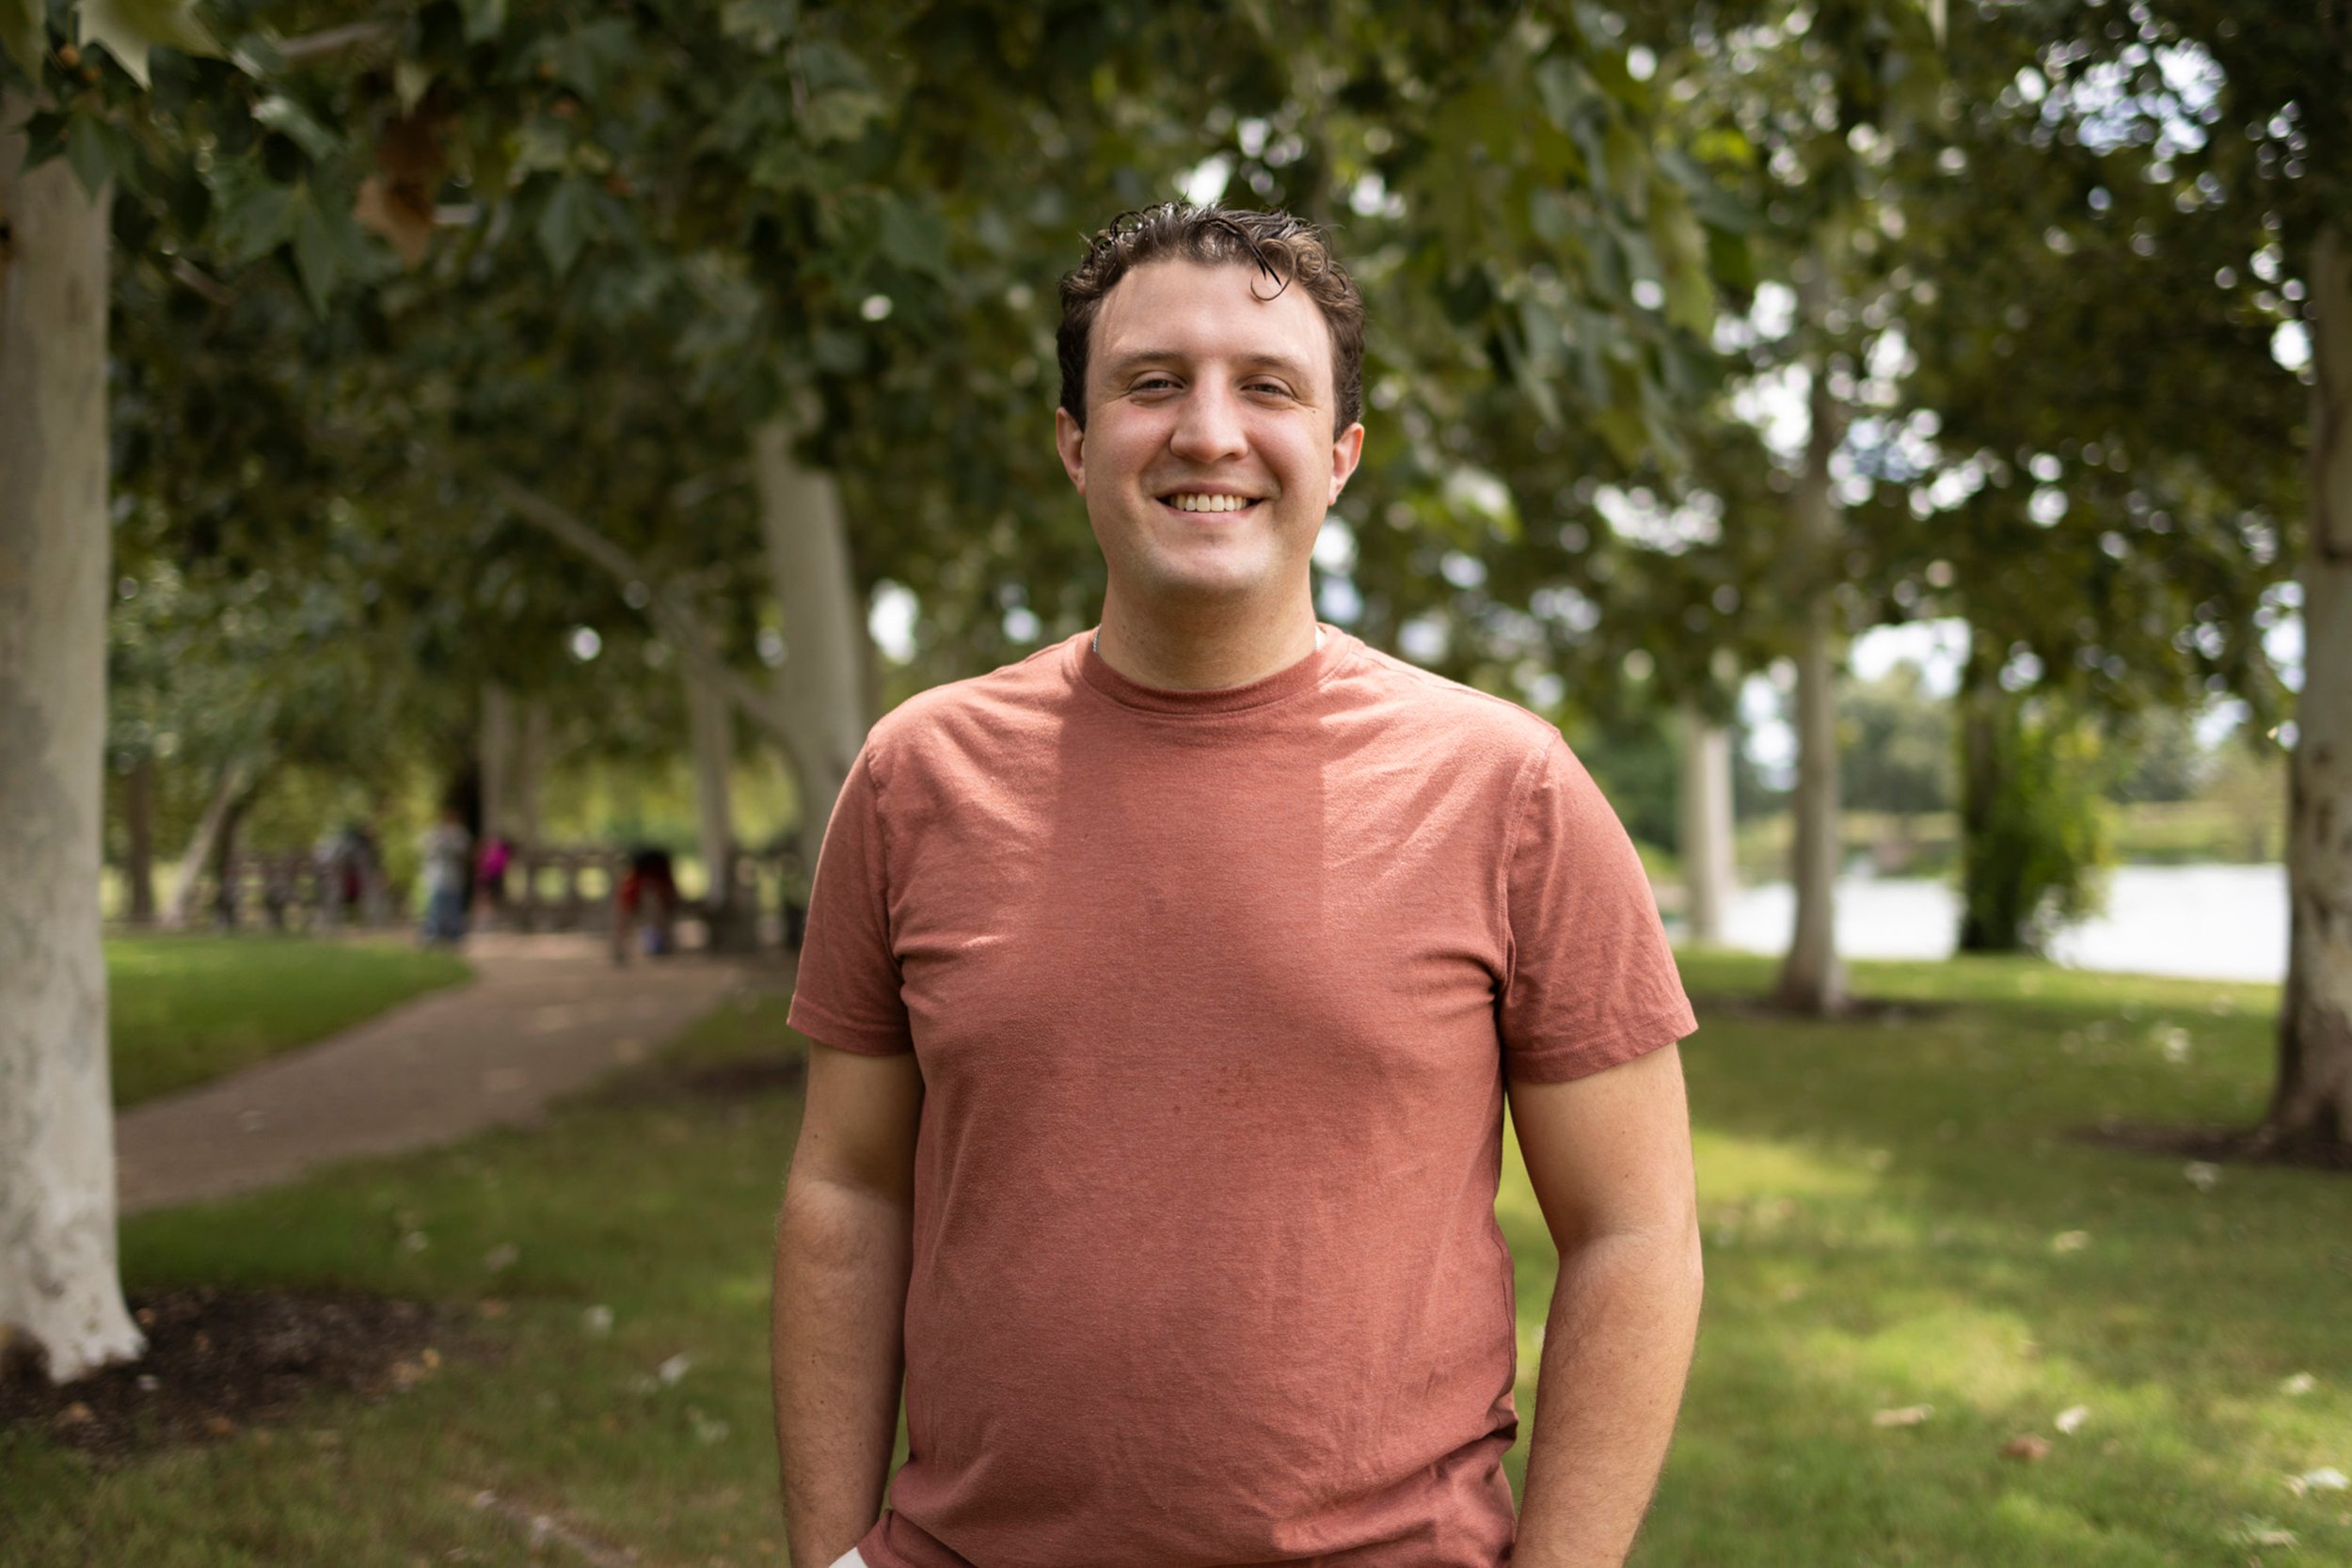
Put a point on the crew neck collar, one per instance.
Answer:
(1287, 682)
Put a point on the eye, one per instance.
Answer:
(1273, 388)
(1154, 383)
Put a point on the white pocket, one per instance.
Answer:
(850, 1558)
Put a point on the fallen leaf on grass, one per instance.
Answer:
(2201, 1174)
(2326, 1478)
(2069, 1240)
(501, 1256)
(220, 1426)
(2070, 1420)
(74, 1415)
(673, 1369)
(1908, 1415)
(2251, 1531)
(2297, 1385)
(2028, 1445)
(597, 1321)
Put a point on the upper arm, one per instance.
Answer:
(859, 1125)
(1609, 1154)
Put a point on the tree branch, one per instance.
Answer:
(315, 46)
(672, 613)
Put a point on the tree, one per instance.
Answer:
(57, 1119)
(2185, 162)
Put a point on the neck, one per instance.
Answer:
(1204, 652)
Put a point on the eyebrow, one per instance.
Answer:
(1126, 364)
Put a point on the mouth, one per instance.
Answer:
(1209, 502)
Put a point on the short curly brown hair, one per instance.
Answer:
(1285, 248)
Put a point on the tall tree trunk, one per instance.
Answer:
(138, 814)
(225, 889)
(1708, 874)
(498, 761)
(60, 1288)
(192, 859)
(1812, 976)
(821, 686)
(2313, 1099)
(530, 767)
(1980, 716)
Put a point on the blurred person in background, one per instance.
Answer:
(645, 904)
(445, 850)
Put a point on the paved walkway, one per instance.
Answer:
(545, 1015)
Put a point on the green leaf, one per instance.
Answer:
(564, 223)
(318, 254)
(252, 214)
(584, 56)
(913, 237)
(44, 137)
(129, 27)
(411, 80)
(840, 115)
(761, 24)
(87, 153)
(25, 34)
(485, 19)
(294, 122)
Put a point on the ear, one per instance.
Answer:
(1347, 450)
(1070, 441)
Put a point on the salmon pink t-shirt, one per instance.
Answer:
(1215, 996)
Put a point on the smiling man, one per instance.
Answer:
(1167, 990)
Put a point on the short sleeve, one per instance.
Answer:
(847, 991)
(1590, 980)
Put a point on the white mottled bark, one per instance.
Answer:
(1812, 978)
(2314, 1095)
(821, 686)
(1708, 879)
(59, 1286)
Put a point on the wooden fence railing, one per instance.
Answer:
(559, 888)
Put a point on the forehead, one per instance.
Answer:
(1210, 311)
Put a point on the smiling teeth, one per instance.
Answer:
(1209, 504)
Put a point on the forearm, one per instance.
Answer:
(842, 1261)
(1617, 1344)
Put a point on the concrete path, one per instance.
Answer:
(545, 1015)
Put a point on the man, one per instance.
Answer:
(1166, 988)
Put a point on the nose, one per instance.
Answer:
(1209, 425)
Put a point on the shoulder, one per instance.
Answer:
(944, 723)
(1460, 724)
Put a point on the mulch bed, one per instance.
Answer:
(2217, 1146)
(219, 1360)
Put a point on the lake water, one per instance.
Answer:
(2213, 922)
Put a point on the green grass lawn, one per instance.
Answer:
(185, 1009)
(1894, 1215)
